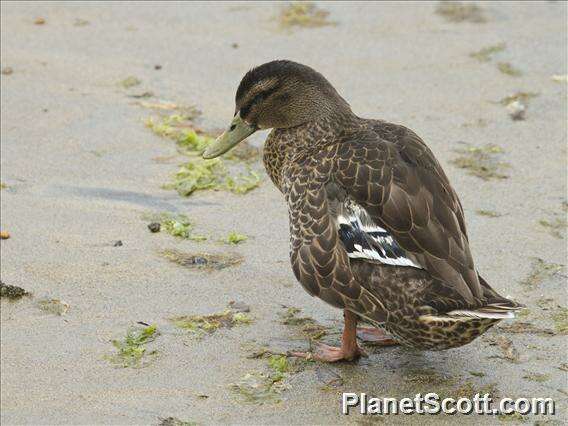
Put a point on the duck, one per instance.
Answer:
(376, 229)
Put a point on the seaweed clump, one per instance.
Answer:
(488, 213)
(556, 224)
(456, 11)
(262, 388)
(53, 306)
(307, 326)
(485, 54)
(235, 238)
(507, 68)
(482, 162)
(199, 174)
(508, 350)
(174, 421)
(205, 261)
(540, 271)
(177, 225)
(12, 292)
(560, 318)
(521, 327)
(258, 388)
(304, 14)
(199, 325)
(131, 351)
(129, 82)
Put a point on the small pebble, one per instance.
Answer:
(117, 243)
(517, 110)
(39, 21)
(7, 70)
(235, 45)
(4, 235)
(157, 67)
(198, 260)
(154, 227)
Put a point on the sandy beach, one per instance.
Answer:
(81, 170)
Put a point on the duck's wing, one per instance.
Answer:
(319, 260)
(394, 178)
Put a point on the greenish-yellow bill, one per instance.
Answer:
(237, 131)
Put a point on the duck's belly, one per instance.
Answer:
(437, 335)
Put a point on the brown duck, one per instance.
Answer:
(376, 229)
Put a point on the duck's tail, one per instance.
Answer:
(497, 307)
(493, 311)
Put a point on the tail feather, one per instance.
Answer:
(499, 310)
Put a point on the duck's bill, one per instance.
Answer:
(237, 131)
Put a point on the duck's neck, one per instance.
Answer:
(297, 143)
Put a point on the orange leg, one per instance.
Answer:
(349, 349)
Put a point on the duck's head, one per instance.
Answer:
(278, 94)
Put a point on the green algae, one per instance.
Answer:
(514, 417)
(200, 325)
(541, 271)
(485, 54)
(279, 365)
(506, 347)
(468, 389)
(235, 238)
(129, 82)
(174, 421)
(304, 15)
(53, 306)
(307, 326)
(243, 182)
(488, 213)
(523, 97)
(199, 174)
(556, 223)
(456, 12)
(537, 377)
(265, 387)
(202, 261)
(177, 225)
(482, 162)
(257, 388)
(508, 69)
(431, 377)
(520, 327)
(132, 351)
(560, 319)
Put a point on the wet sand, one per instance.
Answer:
(81, 173)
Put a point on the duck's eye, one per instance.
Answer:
(232, 127)
(245, 110)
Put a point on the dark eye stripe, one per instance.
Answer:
(258, 98)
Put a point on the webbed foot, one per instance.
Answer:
(328, 353)
(376, 336)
